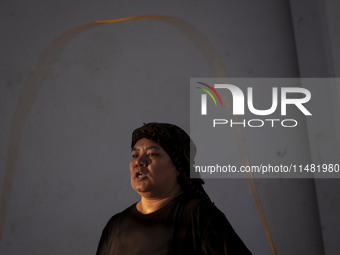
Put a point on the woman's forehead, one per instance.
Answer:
(146, 144)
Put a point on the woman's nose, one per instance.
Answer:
(142, 160)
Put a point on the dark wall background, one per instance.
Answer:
(71, 173)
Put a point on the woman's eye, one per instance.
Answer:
(134, 155)
(150, 154)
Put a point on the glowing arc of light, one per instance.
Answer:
(44, 64)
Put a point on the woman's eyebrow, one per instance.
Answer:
(147, 148)
(153, 147)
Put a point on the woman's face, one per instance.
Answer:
(152, 172)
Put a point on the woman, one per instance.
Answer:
(174, 214)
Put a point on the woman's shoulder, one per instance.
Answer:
(118, 217)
